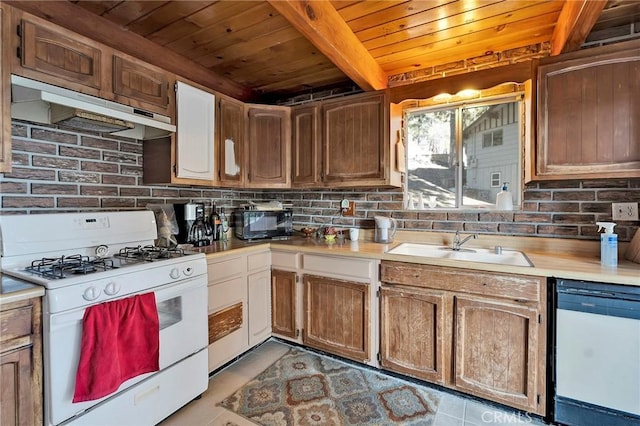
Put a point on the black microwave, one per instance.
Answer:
(257, 224)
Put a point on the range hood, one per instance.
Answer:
(43, 103)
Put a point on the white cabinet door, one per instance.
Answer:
(259, 307)
(195, 136)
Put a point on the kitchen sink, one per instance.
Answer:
(505, 257)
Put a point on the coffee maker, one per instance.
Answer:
(191, 224)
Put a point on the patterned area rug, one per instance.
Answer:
(303, 388)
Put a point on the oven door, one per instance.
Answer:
(182, 311)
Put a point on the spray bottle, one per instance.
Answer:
(608, 244)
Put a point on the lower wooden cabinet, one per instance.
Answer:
(403, 312)
(283, 304)
(337, 316)
(496, 352)
(478, 332)
(21, 363)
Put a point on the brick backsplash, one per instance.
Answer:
(58, 170)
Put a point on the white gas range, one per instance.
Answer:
(84, 259)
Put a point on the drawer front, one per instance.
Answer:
(222, 269)
(338, 266)
(227, 293)
(520, 287)
(224, 322)
(285, 260)
(15, 323)
(258, 261)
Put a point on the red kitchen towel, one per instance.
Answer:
(120, 340)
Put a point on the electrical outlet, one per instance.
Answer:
(351, 210)
(624, 211)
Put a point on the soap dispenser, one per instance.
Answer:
(504, 201)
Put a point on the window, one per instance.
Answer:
(493, 138)
(496, 179)
(459, 155)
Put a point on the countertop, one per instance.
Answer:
(15, 290)
(551, 257)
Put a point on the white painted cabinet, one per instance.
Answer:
(195, 158)
(259, 296)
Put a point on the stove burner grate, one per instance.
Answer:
(61, 267)
(150, 253)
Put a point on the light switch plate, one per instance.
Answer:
(624, 211)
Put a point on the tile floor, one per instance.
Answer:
(452, 411)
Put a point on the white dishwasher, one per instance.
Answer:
(597, 358)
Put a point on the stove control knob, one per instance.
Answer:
(175, 273)
(91, 293)
(102, 250)
(188, 272)
(111, 288)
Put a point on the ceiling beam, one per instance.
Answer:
(576, 19)
(81, 21)
(323, 26)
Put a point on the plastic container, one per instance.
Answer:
(608, 244)
(504, 200)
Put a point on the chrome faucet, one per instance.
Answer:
(457, 243)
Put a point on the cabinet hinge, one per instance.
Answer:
(539, 319)
(379, 357)
(538, 399)
(175, 170)
(19, 52)
(19, 30)
(297, 332)
(378, 292)
(175, 87)
(379, 271)
(297, 278)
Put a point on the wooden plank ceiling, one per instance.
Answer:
(277, 49)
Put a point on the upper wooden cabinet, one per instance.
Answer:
(230, 127)
(346, 142)
(64, 56)
(268, 147)
(589, 114)
(306, 161)
(5, 93)
(143, 85)
(49, 53)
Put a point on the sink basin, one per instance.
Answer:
(507, 257)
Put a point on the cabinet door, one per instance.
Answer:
(231, 142)
(589, 114)
(259, 299)
(337, 316)
(195, 122)
(496, 351)
(268, 147)
(143, 86)
(61, 55)
(5, 95)
(355, 148)
(15, 393)
(283, 303)
(413, 332)
(305, 146)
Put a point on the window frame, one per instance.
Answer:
(517, 96)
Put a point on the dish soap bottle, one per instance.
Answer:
(504, 201)
(608, 244)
